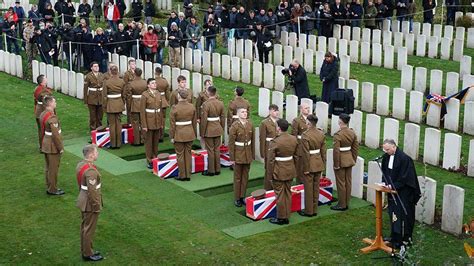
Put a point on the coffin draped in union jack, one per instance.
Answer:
(102, 138)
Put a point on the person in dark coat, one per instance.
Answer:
(68, 13)
(45, 46)
(428, 7)
(402, 10)
(452, 8)
(84, 10)
(298, 74)
(400, 174)
(356, 13)
(326, 21)
(137, 8)
(329, 75)
(241, 24)
(121, 7)
(60, 7)
(149, 11)
(307, 20)
(100, 49)
(263, 40)
(338, 12)
(224, 23)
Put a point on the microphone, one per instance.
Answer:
(378, 158)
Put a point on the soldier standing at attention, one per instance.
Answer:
(182, 85)
(313, 160)
(298, 126)
(236, 103)
(40, 92)
(93, 83)
(183, 133)
(242, 153)
(52, 144)
(89, 200)
(114, 96)
(211, 129)
(282, 153)
(345, 152)
(128, 77)
(268, 131)
(203, 97)
(136, 88)
(163, 87)
(151, 117)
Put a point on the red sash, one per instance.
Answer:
(36, 94)
(83, 169)
(43, 123)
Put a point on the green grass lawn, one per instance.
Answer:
(147, 220)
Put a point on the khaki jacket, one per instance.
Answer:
(346, 140)
(183, 122)
(136, 88)
(314, 150)
(163, 87)
(151, 113)
(89, 200)
(236, 103)
(281, 157)
(298, 126)
(267, 132)
(93, 88)
(114, 95)
(242, 142)
(174, 97)
(40, 93)
(128, 76)
(51, 130)
(212, 119)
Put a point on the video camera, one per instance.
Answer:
(286, 71)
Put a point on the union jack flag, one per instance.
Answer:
(266, 208)
(102, 138)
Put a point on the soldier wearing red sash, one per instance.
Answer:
(40, 92)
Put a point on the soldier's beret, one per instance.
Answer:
(258, 194)
(163, 156)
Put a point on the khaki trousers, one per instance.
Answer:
(175, 56)
(95, 116)
(184, 157)
(137, 129)
(311, 192)
(51, 170)
(299, 171)
(38, 123)
(344, 185)
(152, 138)
(88, 225)
(241, 177)
(115, 126)
(213, 154)
(267, 180)
(283, 195)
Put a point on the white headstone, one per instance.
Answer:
(421, 46)
(468, 81)
(420, 79)
(445, 48)
(345, 67)
(436, 81)
(355, 34)
(257, 73)
(367, 97)
(399, 103)
(398, 40)
(438, 31)
(57, 78)
(353, 84)
(293, 39)
(12, 64)
(298, 54)
(432, 146)
(235, 69)
(308, 60)
(458, 49)
(284, 38)
(410, 43)
(277, 98)
(390, 129)
(42, 65)
(376, 54)
(337, 31)
(395, 27)
(372, 131)
(411, 140)
(312, 43)
(402, 58)
(123, 64)
(287, 56)
(206, 62)
(453, 209)
(376, 36)
(366, 35)
(175, 72)
(465, 66)
(334, 124)
(383, 99)
(188, 58)
(346, 33)
(226, 73)
(197, 83)
(388, 57)
(291, 107)
(470, 38)
(2, 64)
(319, 61)
(387, 38)
(451, 120)
(358, 178)
(197, 57)
(35, 65)
(354, 51)
(416, 106)
(470, 164)
(374, 176)
(433, 115)
(116, 59)
(416, 28)
(186, 74)
(356, 124)
(452, 83)
(167, 73)
(322, 42)
(19, 66)
(64, 81)
(148, 72)
(365, 53)
(72, 83)
(268, 76)
(342, 82)
(50, 75)
(246, 71)
(448, 32)
(332, 45)
(216, 64)
(141, 65)
(239, 48)
(329, 166)
(460, 32)
(407, 78)
(405, 27)
(80, 86)
(426, 29)
(279, 79)
(425, 208)
(322, 110)
(263, 102)
(468, 124)
(343, 46)
(302, 41)
(249, 50)
(278, 54)
(433, 47)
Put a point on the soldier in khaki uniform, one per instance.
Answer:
(345, 152)
(298, 126)
(163, 87)
(242, 153)
(211, 129)
(89, 200)
(183, 133)
(128, 77)
(203, 97)
(313, 160)
(136, 88)
(151, 117)
(113, 101)
(236, 103)
(52, 145)
(281, 158)
(267, 132)
(182, 85)
(40, 92)
(93, 83)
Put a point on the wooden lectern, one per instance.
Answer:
(378, 242)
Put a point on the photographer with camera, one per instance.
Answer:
(298, 79)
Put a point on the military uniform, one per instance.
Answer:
(345, 151)
(89, 202)
(174, 97)
(52, 146)
(93, 84)
(242, 152)
(38, 95)
(114, 95)
(298, 126)
(236, 103)
(313, 160)
(211, 129)
(128, 77)
(136, 89)
(151, 117)
(267, 132)
(281, 158)
(183, 131)
(163, 87)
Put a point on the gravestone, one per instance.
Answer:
(268, 76)
(436, 81)
(416, 29)
(387, 38)
(291, 107)
(206, 63)
(355, 34)
(343, 44)
(332, 45)
(287, 56)
(402, 58)
(374, 176)
(337, 31)
(278, 54)
(460, 32)
(470, 164)
(35, 65)
(80, 86)
(357, 189)
(405, 27)
(458, 49)
(19, 66)
(42, 65)
(312, 43)
(425, 208)
(319, 61)
(395, 27)
(263, 102)
(445, 48)
(372, 131)
(197, 83)
(322, 110)
(239, 48)
(452, 83)
(167, 74)
(235, 69)
(417, 100)
(451, 119)
(410, 43)
(175, 72)
(284, 38)
(308, 60)
(467, 81)
(411, 140)
(329, 167)
(376, 54)
(334, 124)
(353, 85)
(293, 39)
(2, 63)
(426, 29)
(399, 103)
(407, 78)
(438, 31)
(148, 70)
(57, 78)
(279, 79)
(421, 46)
(216, 64)
(64, 81)
(433, 47)
(249, 50)
(298, 54)
(433, 115)
(226, 67)
(398, 40)
(12, 61)
(197, 57)
(465, 66)
(376, 36)
(345, 67)
(432, 146)
(383, 99)
(420, 79)
(388, 57)
(468, 124)
(470, 38)
(231, 46)
(72, 84)
(123, 64)
(354, 51)
(277, 99)
(356, 124)
(116, 59)
(257, 73)
(453, 209)
(246, 71)
(448, 32)
(302, 41)
(366, 35)
(140, 64)
(390, 129)
(322, 42)
(367, 97)
(365, 53)
(49, 75)
(346, 33)
(188, 58)
(342, 82)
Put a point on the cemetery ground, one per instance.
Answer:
(148, 220)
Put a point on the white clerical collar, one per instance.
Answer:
(390, 161)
